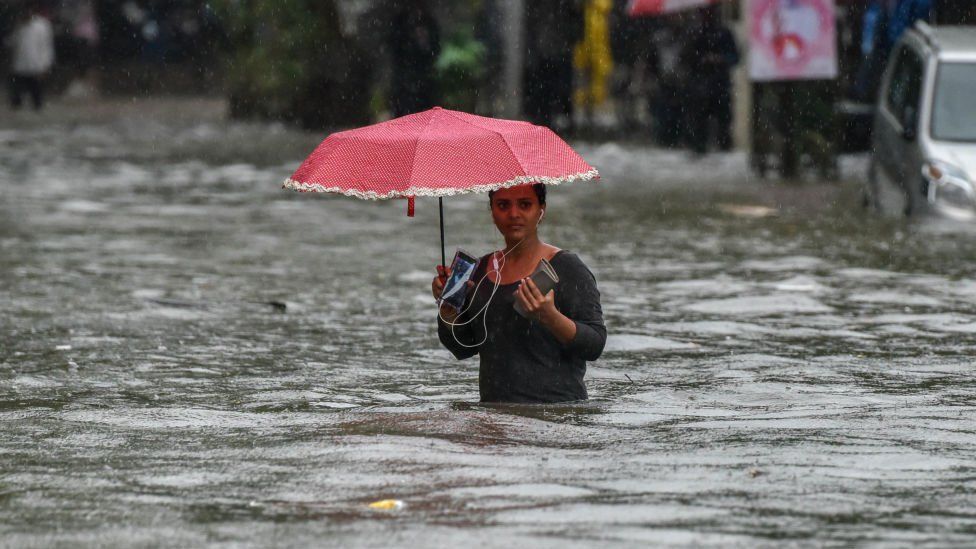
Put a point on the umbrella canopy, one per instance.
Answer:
(438, 152)
(638, 8)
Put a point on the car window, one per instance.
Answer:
(953, 112)
(905, 87)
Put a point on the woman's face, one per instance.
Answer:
(516, 212)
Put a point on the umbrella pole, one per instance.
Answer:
(440, 204)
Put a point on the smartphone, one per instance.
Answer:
(544, 277)
(456, 290)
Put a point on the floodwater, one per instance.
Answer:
(191, 356)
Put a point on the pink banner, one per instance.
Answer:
(792, 40)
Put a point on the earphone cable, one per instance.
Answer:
(483, 310)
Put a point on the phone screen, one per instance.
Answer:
(456, 289)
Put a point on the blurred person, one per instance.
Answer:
(884, 22)
(874, 50)
(667, 99)
(709, 57)
(32, 56)
(157, 36)
(904, 16)
(414, 42)
(593, 57)
(630, 47)
(553, 27)
(85, 29)
(84, 35)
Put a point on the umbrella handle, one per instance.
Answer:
(440, 204)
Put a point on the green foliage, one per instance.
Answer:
(460, 67)
(289, 61)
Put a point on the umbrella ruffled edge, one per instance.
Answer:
(446, 191)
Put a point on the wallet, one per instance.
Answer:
(544, 277)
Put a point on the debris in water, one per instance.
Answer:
(748, 210)
(177, 303)
(387, 505)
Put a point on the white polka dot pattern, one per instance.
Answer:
(438, 153)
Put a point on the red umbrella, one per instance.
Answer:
(638, 8)
(437, 153)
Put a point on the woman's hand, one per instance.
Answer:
(542, 308)
(539, 307)
(437, 288)
(437, 285)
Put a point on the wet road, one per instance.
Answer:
(191, 356)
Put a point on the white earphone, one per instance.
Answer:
(497, 283)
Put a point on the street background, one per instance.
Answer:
(190, 355)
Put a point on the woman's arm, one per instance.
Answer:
(460, 342)
(580, 329)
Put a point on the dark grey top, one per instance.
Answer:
(521, 361)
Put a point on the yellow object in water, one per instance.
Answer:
(592, 56)
(386, 505)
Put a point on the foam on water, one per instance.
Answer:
(634, 342)
(760, 305)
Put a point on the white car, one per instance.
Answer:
(924, 137)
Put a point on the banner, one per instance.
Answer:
(792, 40)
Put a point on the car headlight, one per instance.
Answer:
(949, 188)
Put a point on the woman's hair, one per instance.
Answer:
(540, 193)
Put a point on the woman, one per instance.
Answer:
(541, 358)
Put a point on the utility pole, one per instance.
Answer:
(513, 38)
